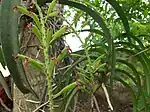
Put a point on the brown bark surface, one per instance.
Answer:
(30, 48)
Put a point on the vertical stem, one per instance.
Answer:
(86, 52)
(48, 68)
(49, 77)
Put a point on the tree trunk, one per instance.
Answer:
(30, 48)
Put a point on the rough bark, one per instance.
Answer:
(30, 47)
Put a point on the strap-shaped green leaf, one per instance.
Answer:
(145, 62)
(65, 89)
(49, 35)
(50, 9)
(58, 34)
(134, 101)
(2, 59)
(126, 73)
(55, 13)
(133, 69)
(97, 61)
(9, 40)
(95, 15)
(70, 69)
(72, 94)
(30, 14)
(37, 32)
(62, 55)
(88, 30)
(33, 62)
(97, 18)
(120, 12)
(5, 86)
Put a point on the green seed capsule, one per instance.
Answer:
(33, 62)
(36, 20)
(49, 35)
(23, 10)
(62, 55)
(51, 7)
(37, 32)
(53, 14)
(58, 34)
(65, 89)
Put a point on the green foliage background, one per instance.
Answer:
(117, 49)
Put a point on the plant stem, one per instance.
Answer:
(48, 68)
(85, 50)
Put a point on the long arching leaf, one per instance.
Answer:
(137, 77)
(147, 61)
(95, 15)
(120, 12)
(133, 69)
(134, 101)
(72, 94)
(144, 61)
(126, 73)
(70, 69)
(88, 30)
(9, 40)
(2, 59)
(5, 86)
(97, 18)
(135, 38)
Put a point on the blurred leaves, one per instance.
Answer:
(117, 43)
